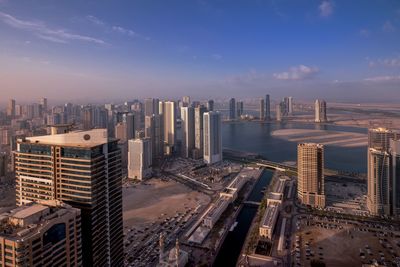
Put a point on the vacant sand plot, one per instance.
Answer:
(148, 202)
(343, 139)
(346, 247)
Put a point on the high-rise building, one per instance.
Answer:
(87, 118)
(290, 106)
(198, 130)
(310, 172)
(188, 127)
(186, 101)
(239, 108)
(279, 112)
(210, 105)
(11, 108)
(395, 174)
(262, 109)
(285, 106)
(154, 131)
(381, 176)
(43, 103)
(132, 121)
(168, 111)
(212, 137)
(151, 106)
(46, 234)
(267, 108)
(82, 169)
(120, 132)
(232, 109)
(320, 111)
(3, 166)
(139, 158)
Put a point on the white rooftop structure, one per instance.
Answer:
(89, 138)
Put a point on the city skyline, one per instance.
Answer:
(111, 51)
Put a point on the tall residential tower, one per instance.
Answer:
(310, 170)
(82, 169)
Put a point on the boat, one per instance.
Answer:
(233, 226)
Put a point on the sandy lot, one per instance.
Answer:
(342, 139)
(342, 247)
(156, 199)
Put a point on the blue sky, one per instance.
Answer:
(112, 50)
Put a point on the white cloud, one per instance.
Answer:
(388, 27)
(365, 33)
(122, 30)
(94, 20)
(326, 8)
(300, 72)
(216, 56)
(388, 78)
(386, 62)
(40, 30)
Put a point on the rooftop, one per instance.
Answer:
(24, 212)
(271, 212)
(87, 139)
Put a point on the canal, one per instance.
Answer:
(230, 249)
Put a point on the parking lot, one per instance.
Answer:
(344, 243)
(142, 244)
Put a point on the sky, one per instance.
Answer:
(106, 51)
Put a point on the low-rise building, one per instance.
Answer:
(215, 212)
(268, 221)
(47, 234)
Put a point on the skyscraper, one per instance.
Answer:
(310, 172)
(11, 108)
(43, 103)
(279, 112)
(267, 108)
(395, 174)
(82, 169)
(132, 121)
(87, 119)
(151, 106)
(320, 111)
(232, 109)
(285, 106)
(262, 109)
(168, 111)
(290, 106)
(154, 131)
(186, 101)
(188, 128)
(210, 105)
(212, 137)
(198, 130)
(45, 234)
(139, 158)
(239, 108)
(381, 176)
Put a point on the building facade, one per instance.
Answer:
(139, 158)
(382, 172)
(232, 109)
(320, 111)
(46, 234)
(212, 137)
(188, 131)
(82, 169)
(310, 171)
